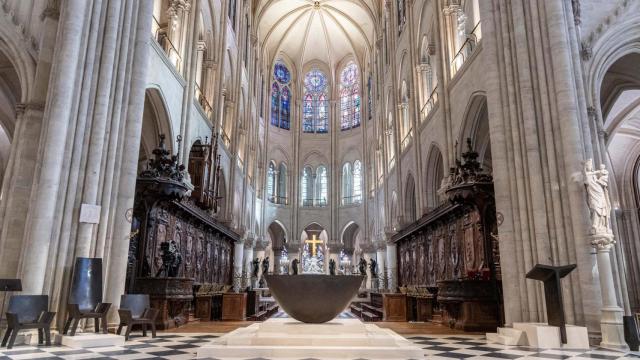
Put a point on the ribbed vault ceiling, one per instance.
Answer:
(324, 30)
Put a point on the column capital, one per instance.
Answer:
(209, 64)
(602, 242)
(367, 247)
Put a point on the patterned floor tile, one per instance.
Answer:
(184, 346)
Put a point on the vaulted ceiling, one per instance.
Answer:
(323, 30)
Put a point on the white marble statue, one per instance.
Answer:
(596, 183)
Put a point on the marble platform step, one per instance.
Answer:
(89, 340)
(287, 338)
(299, 352)
(540, 335)
(508, 336)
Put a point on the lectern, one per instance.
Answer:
(550, 276)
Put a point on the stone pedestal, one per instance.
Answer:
(611, 322)
(89, 340)
(287, 338)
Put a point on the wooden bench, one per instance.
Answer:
(356, 310)
(372, 309)
(368, 316)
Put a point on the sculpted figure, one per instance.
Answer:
(171, 259)
(596, 183)
(294, 266)
(265, 266)
(256, 267)
(373, 267)
(362, 266)
(332, 267)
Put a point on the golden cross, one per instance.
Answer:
(313, 243)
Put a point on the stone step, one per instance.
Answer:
(500, 338)
(334, 352)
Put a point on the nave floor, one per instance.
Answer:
(438, 343)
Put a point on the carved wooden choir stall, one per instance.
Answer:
(177, 245)
(450, 256)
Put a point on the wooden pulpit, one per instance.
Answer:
(550, 276)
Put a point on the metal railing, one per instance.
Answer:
(429, 105)
(466, 49)
(314, 202)
(407, 140)
(161, 36)
(226, 140)
(351, 200)
(280, 200)
(202, 100)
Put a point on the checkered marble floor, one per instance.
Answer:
(184, 346)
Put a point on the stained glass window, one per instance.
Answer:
(271, 180)
(315, 111)
(285, 98)
(275, 103)
(306, 187)
(321, 187)
(357, 181)
(349, 97)
(281, 73)
(281, 97)
(282, 183)
(347, 180)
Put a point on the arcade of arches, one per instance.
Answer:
(442, 140)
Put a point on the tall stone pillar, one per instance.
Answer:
(247, 259)
(611, 323)
(126, 183)
(65, 72)
(597, 192)
(381, 259)
(238, 264)
(392, 266)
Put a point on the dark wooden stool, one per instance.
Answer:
(28, 312)
(135, 310)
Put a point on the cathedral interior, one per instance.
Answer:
(475, 164)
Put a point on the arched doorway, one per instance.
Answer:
(277, 243)
(435, 173)
(410, 200)
(10, 95)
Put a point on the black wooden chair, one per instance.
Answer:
(28, 312)
(85, 298)
(135, 310)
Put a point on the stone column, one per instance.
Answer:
(248, 258)
(381, 257)
(58, 114)
(238, 262)
(258, 252)
(611, 324)
(100, 124)
(392, 266)
(116, 268)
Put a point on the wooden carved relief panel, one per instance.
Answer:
(446, 249)
(206, 253)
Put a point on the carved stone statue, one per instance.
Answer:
(255, 267)
(596, 183)
(265, 266)
(362, 266)
(294, 266)
(171, 259)
(373, 267)
(332, 267)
